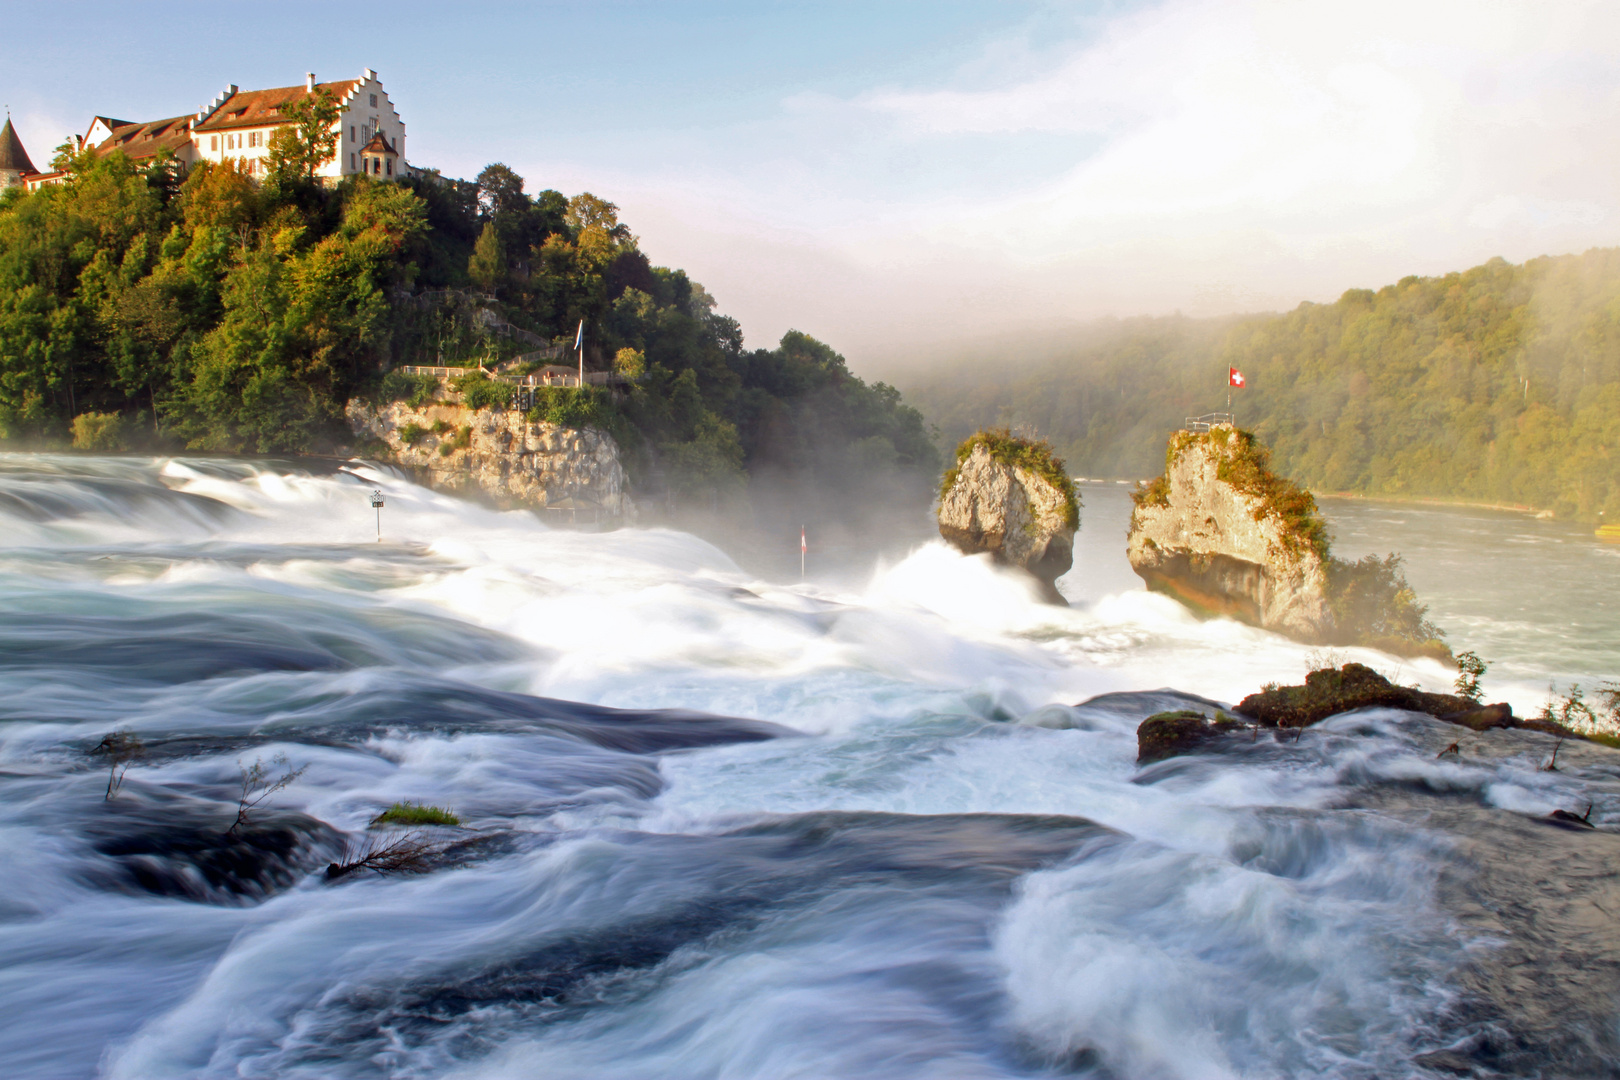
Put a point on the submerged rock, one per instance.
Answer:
(189, 849)
(503, 455)
(1010, 497)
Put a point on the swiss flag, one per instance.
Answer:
(1234, 377)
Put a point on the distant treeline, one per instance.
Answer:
(1497, 384)
(227, 312)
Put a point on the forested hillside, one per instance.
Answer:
(230, 313)
(1497, 384)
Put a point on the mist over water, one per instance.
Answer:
(886, 822)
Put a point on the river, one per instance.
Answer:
(714, 825)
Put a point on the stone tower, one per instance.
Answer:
(14, 163)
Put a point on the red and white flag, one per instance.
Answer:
(1234, 377)
(802, 546)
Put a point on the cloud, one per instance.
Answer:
(1194, 155)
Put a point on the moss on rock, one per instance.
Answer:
(1180, 731)
(1033, 455)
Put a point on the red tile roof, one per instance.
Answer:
(145, 140)
(262, 108)
(379, 145)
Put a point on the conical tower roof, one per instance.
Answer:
(12, 154)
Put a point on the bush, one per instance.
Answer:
(571, 407)
(411, 433)
(1033, 455)
(415, 390)
(631, 363)
(1373, 605)
(101, 432)
(479, 391)
(409, 813)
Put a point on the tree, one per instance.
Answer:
(500, 192)
(299, 149)
(487, 266)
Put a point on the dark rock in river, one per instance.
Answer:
(185, 848)
(1167, 734)
(1327, 692)
(1331, 691)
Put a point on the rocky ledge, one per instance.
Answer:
(502, 455)
(1010, 497)
(1327, 692)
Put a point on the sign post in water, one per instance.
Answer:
(377, 504)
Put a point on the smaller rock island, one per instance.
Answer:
(1011, 497)
(1223, 534)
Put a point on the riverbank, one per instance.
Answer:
(1422, 500)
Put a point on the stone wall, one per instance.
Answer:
(503, 455)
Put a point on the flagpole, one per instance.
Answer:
(579, 339)
(801, 552)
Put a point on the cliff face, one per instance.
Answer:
(1225, 550)
(502, 454)
(1012, 512)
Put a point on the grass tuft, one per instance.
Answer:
(408, 813)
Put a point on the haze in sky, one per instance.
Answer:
(898, 178)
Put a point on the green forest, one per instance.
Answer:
(1499, 384)
(221, 312)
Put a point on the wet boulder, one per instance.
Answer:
(1330, 691)
(1181, 731)
(193, 850)
(1011, 497)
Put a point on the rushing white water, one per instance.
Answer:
(871, 831)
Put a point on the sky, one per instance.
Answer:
(906, 180)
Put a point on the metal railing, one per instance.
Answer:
(1208, 421)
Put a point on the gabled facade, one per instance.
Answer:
(238, 124)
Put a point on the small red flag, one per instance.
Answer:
(802, 547)
(1234, 377)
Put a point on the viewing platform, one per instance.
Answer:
(1207, 421)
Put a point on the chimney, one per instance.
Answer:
(309, 82)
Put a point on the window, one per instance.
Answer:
(351, 139)
(351, 161)
(213, 142)
(373, 101)
(390, 166)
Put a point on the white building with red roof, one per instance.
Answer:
(237, 124)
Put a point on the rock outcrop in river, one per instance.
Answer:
(1010, 497)
(1224, 536)
(503, 455)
